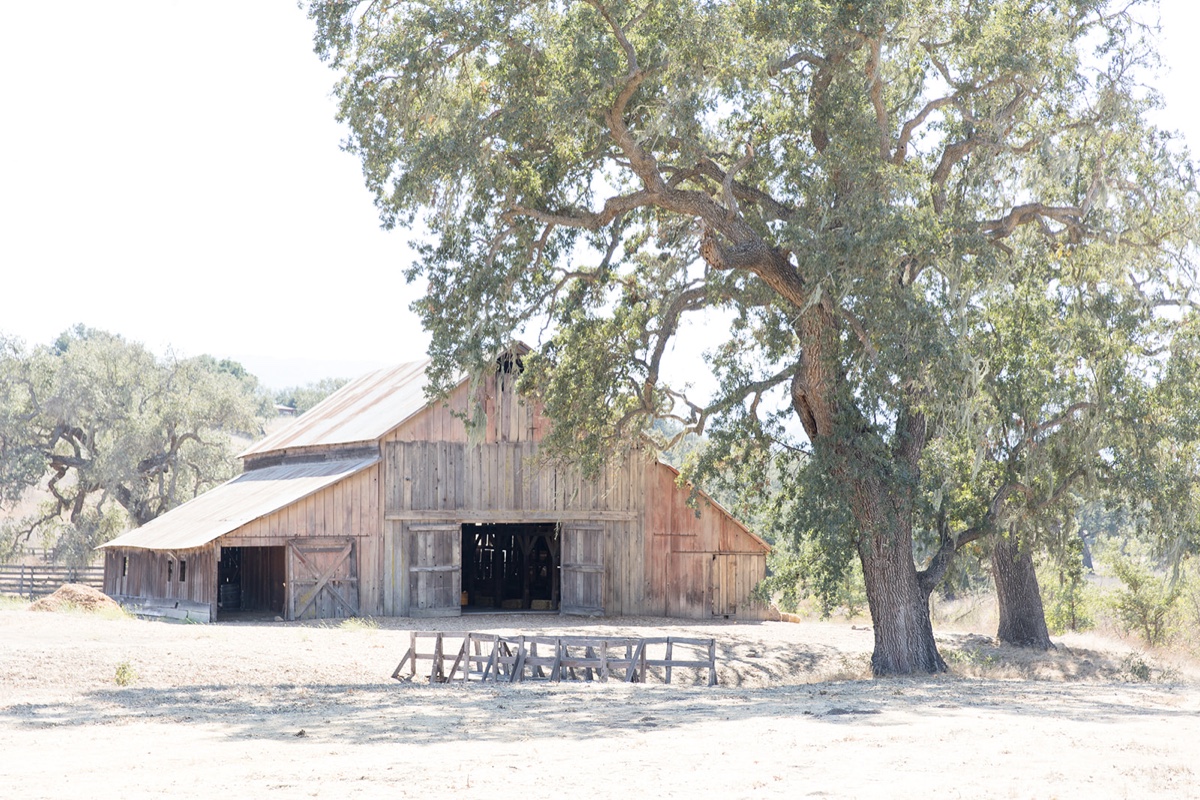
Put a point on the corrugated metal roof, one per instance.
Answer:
(361, 411)
(237, 502)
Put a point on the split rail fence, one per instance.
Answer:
(40, 580)
(491, 657)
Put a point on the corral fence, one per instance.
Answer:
(39, 580)
(492, 657)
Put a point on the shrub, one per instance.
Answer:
(125, 674)
(1146, 603)
(1069, 600)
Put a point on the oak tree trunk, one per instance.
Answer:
(904, 642)
(879, 482)
(1022, 617)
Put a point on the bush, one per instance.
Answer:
(835, 588)
(1146, 604)
(1069, 600)
(125, 674)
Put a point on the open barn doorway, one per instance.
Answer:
(510, 567)
(250, 582)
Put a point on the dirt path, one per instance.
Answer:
(289, 710)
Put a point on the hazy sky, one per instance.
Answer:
(170, 171)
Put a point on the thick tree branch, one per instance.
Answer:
(580, 218)
(1070, 217)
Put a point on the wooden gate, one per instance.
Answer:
(322, 579)
(435, 570)
(583, 569)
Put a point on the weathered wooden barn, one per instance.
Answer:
(377, 502)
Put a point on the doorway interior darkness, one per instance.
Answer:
(510, 567)
(250, 579)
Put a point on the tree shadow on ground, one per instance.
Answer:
(421, 714)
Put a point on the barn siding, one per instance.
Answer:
(145, 579)
(510, 417)
(350, 508)
(700, 565)
(502, 482)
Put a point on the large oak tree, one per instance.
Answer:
(107, 435)
(846, 187)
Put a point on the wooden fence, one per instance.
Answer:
(490, 657)
(43, 579)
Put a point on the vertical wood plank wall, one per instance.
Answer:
(659, 558)
(350, 508)
(146, 575)
(700, 566)
(456, 482)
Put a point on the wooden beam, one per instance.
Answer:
(468, 516)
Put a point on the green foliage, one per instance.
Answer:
(125, 674)
(808, 574)
(1146, 603)
(302, 398)
(1189, 602)
(1069, 600)
(111, 435)
(907, 227)
(1135, 668)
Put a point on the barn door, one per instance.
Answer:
(582, 569)
(435, 570)
(322, 579)
(723, 582)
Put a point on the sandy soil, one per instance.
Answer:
(301, 710)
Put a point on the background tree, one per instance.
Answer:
(302, 398)
(849, 184)
(112, 436)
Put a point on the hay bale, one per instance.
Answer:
(76, 597)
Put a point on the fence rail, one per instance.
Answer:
(490, 657)
(40, 580)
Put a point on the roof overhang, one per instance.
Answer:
(238, 502)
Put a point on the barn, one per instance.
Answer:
(378, 502)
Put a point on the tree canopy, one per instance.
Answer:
(111, 435)
(878, 195)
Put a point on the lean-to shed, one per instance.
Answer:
(376, 502)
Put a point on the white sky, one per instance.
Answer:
(170, 171)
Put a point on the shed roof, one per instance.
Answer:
(361, 411)
(237, 502)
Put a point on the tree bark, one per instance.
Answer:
(879, 483)
(1022, 617)
(904, 642)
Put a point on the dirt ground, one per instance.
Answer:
(100, 706)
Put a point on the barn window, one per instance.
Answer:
(170, 569)
(182, 571)
(124, 566)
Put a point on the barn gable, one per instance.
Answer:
(433, 522)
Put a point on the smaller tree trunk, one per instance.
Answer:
(1022, 617)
